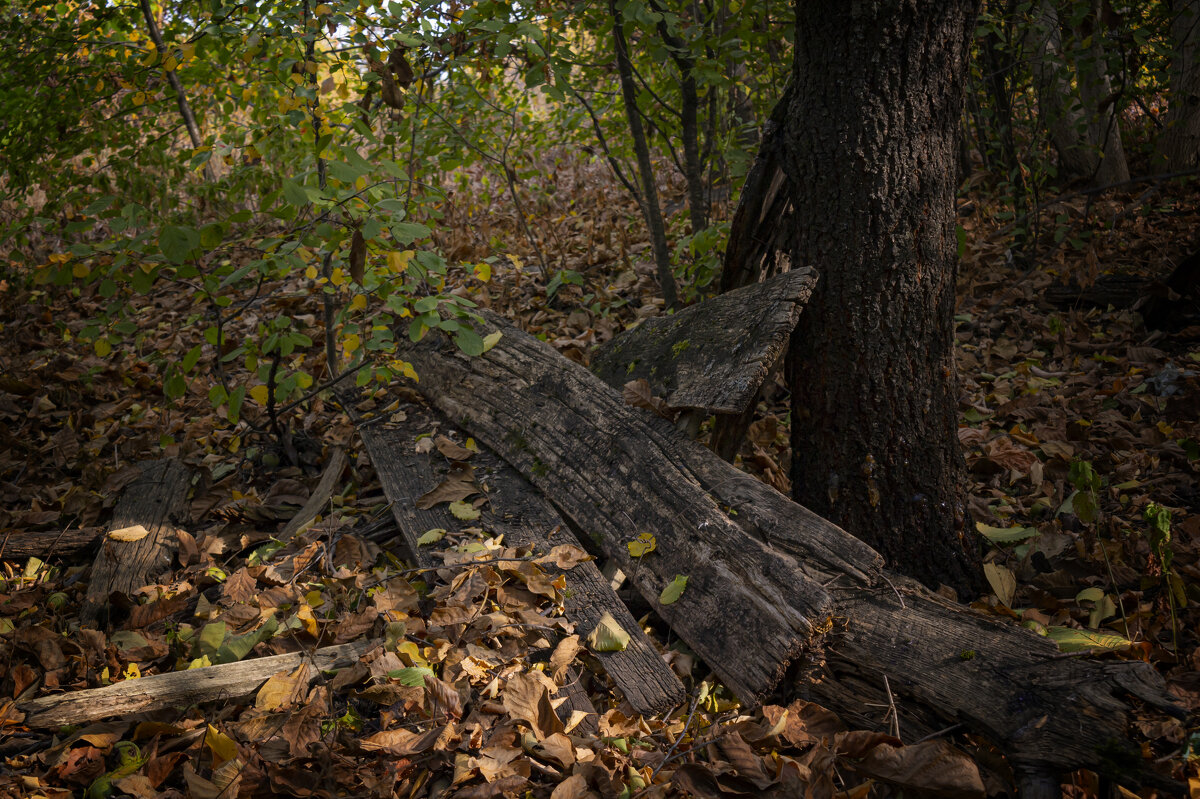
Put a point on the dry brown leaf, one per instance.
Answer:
(564, 656)
(527, 699)
(283, 690)
(451, 450)
(565, 556)
(444, 696)
(639, 394)
(457, 486)
(933, 768)
(358, 257)
(240, 587)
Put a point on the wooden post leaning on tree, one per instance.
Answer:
(750, 607)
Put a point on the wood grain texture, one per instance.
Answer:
(713, 356)
(156, 500)
(618, 472)
(519, 513)
(228, 682)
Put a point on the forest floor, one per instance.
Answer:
(1080, 427)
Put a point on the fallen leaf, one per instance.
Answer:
(134, 532)
(458, 484)
(451, 450)
(464, 511)
(1002, 581)
(673, 590)
(607, 636)
(526, 698)
(643, 545)
(639, 394)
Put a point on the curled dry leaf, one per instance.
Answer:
(527, 698)
(451, 450)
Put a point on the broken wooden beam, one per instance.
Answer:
(713, 356)
(227, 682)
(524, 518)
(747, 610)
(616, 471)
(140, 540)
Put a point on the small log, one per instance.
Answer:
(615, 470)
(20, 544)
(713, 356)
(516, 511)
(747, 610)
(320, 495)
(154, 501)
(227, 682)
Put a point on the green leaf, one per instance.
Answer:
(1005, 535)
(469, 342)
(413, 676)
(189, 360)
(1072, 640)
(177, 242)
(294, 193)
(674, 590)
(408, 232)
(211, 637)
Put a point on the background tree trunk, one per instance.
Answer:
(1100, 102)
(1058, 104)
(1179, 145)
(870, 151)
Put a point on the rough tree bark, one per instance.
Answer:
(869, 149)
(1179, 145)
(1100, 102)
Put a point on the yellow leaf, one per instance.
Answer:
(296, 78)
(222, 746)
(306, 617)
(464, 511)
(405, 368)
(608, 636)
(360, 184)
(491, 340)
(170, 64)
(644, 544)
(103, 348)
(132, 672)
(150, 57)
(359, 302)
(311, 273)
(337, 277)
(303, 380)
(323, 10)
(483, 271)
(258, 394)
(189, 51)
(134, 532)
(282, 690)
(352, 342)
(80, 270)
(1002, 581)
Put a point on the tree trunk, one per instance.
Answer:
(1179, 146)
(870, 152)
(650, 207)
(1058, 104)
(1096, 91)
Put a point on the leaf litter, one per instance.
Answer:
(462, 695)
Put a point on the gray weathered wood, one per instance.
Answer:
(156, 500)
(713, 356)
(22, 544)
(608, 466)
(516, 511)
(228, 682)
(748, 610)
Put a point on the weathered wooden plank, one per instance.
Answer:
(602, 462)
(519, 513)
(228, 682)
(713, 356)
(748, 610)
(156, 500)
